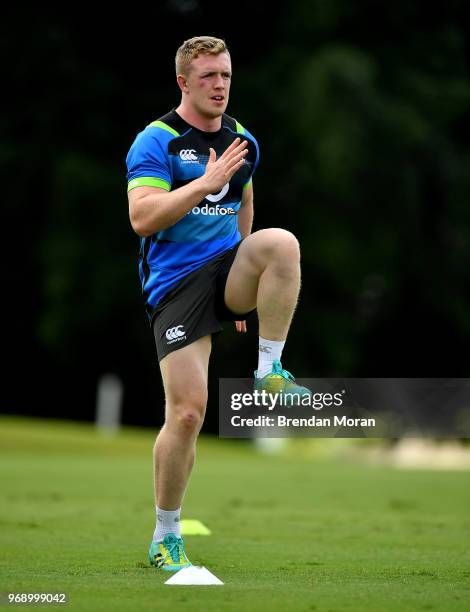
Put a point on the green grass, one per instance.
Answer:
(289, 533)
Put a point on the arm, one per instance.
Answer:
(245, 222)
(152, 209)
(245, 214)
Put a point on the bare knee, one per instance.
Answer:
(187, 417)
(281, 243)
(274, 247)
(285, 242)
(283, 250)
(190, 419)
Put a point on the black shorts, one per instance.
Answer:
(195, 307)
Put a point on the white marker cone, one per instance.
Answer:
(194, 575)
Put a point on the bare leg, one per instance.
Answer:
(266, 274)
(184, 374)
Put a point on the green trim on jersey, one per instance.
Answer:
(240, 128)
(164, 126)
(148, 181)
(248, 183)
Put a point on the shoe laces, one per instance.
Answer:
(277, 369)
(175, 549)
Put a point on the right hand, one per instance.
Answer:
(220, 171)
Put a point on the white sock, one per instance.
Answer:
(168, 521)
(269, 350)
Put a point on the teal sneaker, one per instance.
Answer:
(282, 381)
(169, 554)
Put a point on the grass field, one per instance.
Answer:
(289, 533)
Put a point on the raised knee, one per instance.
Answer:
(285, 247)
(290, 243)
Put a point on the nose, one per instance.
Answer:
(219, 81)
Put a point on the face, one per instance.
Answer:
(207, 86)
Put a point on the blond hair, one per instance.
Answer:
(196, 46)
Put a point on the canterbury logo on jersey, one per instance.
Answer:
(188, 155)
(212, 210)
(173, 334)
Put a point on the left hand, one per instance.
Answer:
(241, 326)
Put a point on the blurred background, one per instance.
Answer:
(361, 112)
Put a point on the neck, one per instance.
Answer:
(191, 116)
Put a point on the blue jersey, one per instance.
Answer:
(169, 153)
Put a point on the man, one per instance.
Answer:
(191, 201)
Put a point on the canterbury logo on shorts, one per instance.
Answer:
(174, 334)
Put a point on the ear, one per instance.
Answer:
(182, 83)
